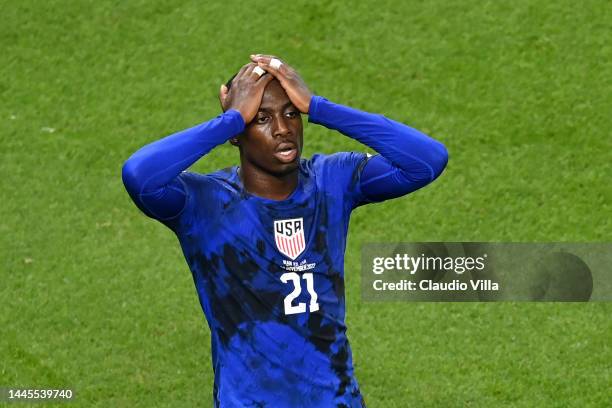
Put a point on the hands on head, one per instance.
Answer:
(248, 86)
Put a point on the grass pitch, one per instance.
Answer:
(98, 298)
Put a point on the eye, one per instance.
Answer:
(262, 119)
(293, 114)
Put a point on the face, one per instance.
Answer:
(273, 140)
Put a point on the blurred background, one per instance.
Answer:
(96, 297)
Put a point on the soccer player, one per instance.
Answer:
(265, 240)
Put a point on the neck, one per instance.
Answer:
(262, 184)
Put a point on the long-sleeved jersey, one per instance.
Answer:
(270, 274)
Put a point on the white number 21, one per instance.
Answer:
(297, 289)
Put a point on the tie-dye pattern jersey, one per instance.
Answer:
(270, 279)
(269, 274)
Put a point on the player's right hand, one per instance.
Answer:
(245, 93)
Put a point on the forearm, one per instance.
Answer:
(149, 174)
(410, 159)
(405, 147)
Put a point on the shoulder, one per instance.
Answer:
(219, 176)
(338, 174)
(218, 180)
(206, 196)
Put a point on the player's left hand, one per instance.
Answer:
(290, 80)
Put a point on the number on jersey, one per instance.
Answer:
(300, 307)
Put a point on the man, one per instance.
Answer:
(265, 241)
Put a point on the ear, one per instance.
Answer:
(223, 95)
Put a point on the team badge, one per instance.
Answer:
(289, 237)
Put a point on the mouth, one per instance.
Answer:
(286, 152)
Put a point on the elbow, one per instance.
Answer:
(439, 160)
(129, 175)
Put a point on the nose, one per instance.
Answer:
(281, 126)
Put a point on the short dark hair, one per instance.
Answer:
(228, 84)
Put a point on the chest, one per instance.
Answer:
(288, 234)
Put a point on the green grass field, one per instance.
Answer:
(96, 297)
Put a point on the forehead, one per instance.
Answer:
(274, 96)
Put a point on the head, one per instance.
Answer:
(272, 142)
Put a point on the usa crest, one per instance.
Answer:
(289, 237)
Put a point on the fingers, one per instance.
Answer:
(244, 68)
(258, 57)
(264, 80)
(249, 71)
(259, 71)
(271, 64)
(290, 80)
(253, 72)
(264, 59)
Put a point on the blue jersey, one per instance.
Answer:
(270, 274)
(270, 278)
